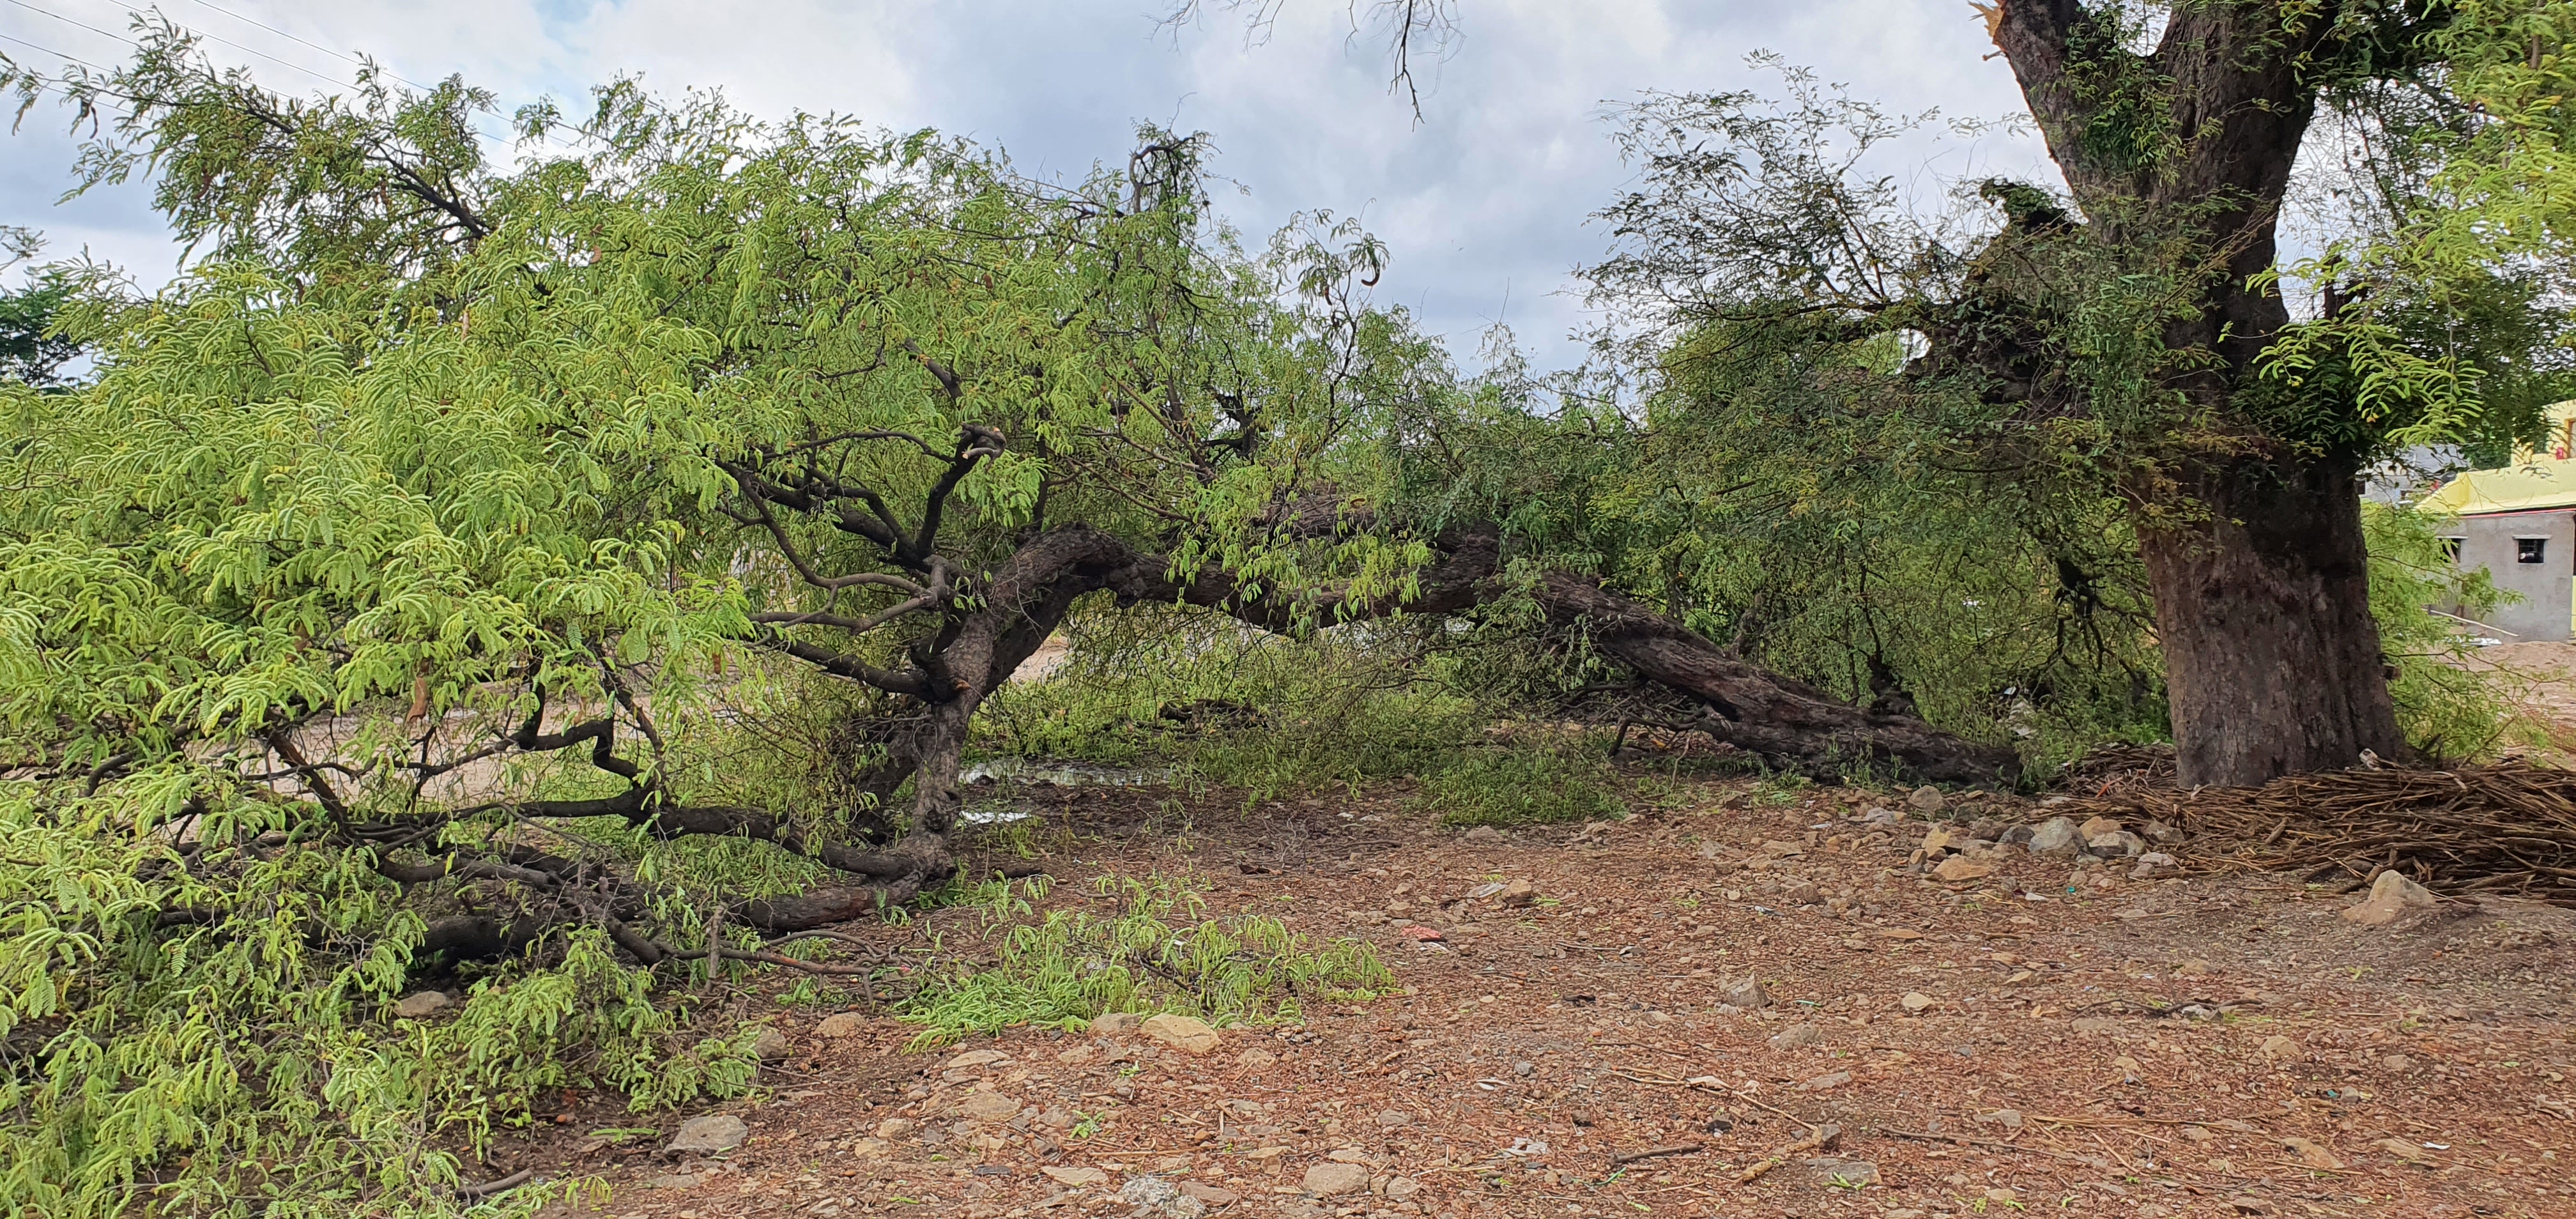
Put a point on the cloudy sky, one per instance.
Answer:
(1483, 202)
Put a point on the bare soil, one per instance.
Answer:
(1979, 1050)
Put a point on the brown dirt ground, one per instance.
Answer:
(2429, 1063)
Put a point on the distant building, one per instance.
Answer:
(2519, 523)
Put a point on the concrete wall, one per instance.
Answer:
(2547, 588)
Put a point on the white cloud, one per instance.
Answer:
(1486, 196)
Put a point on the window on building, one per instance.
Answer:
(2530, 550)
(2451, 548)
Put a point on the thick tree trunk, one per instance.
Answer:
(2262, 593)
(2272, 659)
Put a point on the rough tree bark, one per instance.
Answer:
(2273, 662)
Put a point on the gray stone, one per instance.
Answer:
(771, 1045)
(1400, 1188)
(1839, 1172)
(1482, 833)
(1800, 893)
(420, 1006)
(1156, 1196)
(1882, 816)
(1927, 800)
(2009, 1119)
(709, 1135)
(2118, 844)
(2390, 896)
(2095, 1024)
(1797, 1037)
(2056, 836)
(1331, 1180)
(676, 1180)
(2017, 836)
(2156, 865)
(1745, 993)
(2161, 834)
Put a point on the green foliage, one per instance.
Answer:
(1160, 951)
(2450, 705)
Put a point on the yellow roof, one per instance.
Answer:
(2536, 480)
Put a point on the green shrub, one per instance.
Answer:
(1523, 785)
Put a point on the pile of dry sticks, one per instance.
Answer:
(2508, 828)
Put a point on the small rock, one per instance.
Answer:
(1800, 893)
(1797, 1037)
(1400, 1188)
(1746, 993)
(2194, 968)
(977, 1058)
(1210, 1195)
(2311, 1154)
(2009, 1119)
(1077, 1055)
(1184, 1033)
(2161, 834)
(2099, 826)
(2017, 836)
(1516, 894)
(1115, 1024)
(1391, 1118)
(2197, 1011)
(2056, 836)
(1915, 1001)
(870, 1149)
(992, 1107)
(1076, 1177)
(1482, 833)
(1937, 840)
(2278, 1048)
(676, 1180)
(710, 1134)
(894, 1128)
(1154, 1195)
(421, 1005)
(2119, 844)
(2396, 1062)
(2156, 865)
(841, 1024)
(1959, 868)
(1926, 800)
(771, 1045)
(1838, 1172)
(2198, 1134)
(1256, 1059)
(1525, 1069)
(2390, 896)
(2131, 1071)
(1827, 1081)
(2095, 1024)
(1331, 1180)
(1882, 816)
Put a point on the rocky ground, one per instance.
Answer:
(1750, 1000)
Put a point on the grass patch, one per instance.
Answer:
(1523, 785)
(1159, 952)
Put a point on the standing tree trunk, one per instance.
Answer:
(2272, 659)
(2181, 156)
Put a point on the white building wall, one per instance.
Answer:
(2530, 554)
